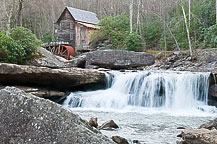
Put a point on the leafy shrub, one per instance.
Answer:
(27, 39)
(47, 37)
(19, 46)
(134, 42)
(151, 31)
(116, 30)
(10, 51)
(209, 36)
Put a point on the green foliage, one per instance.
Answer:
(27, 39)
(151, 31)
(158, 31)
(202, 17)
(10, 51)
(134, 42)
(47, 37)
(116, 30)
(209, 36)
(19, 46)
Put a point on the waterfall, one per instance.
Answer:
(161, 89)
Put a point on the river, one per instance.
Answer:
(148, 106)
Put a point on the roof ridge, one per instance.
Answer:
(81, 10)
(83, 15)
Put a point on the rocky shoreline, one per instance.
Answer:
(26, 118)
(205, 134)
(52, 78)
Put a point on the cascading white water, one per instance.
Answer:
(170, 90)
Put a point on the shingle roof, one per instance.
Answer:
(83, 16)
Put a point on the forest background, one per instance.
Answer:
(152, 24)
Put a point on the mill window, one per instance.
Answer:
(71, 36)
(71, 25)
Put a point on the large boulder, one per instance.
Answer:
(119, 59)
(59, 79)
(48, 59)
(199, 136)
(29, 119)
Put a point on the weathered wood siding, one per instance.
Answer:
(76, 34)
(66, 29)
(82, 37)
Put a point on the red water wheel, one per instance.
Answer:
(65, 51)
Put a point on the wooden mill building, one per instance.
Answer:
(75, 27)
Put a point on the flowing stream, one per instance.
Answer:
(148, 105)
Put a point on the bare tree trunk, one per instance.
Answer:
(138, 16)
(8, 14)
(131, 16)
(53, 24)
(189, 6)
(187, 30)
(19, 13)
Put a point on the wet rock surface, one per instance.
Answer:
(58, 79)
(109, 125)
(199, 136)
(29, 119)
(213, 90)
(93, 122)
(119, 140)
(115, 59)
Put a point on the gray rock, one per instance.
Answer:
(119, 140)
(59, 79)
(199, 136)
(109, 125)
(116, 59)
(41, 92)
(213, 90)
(48, 59)
(91, 67)
(77, 62)
(29, 119)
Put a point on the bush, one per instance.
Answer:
(19, 46)
(27, 39)
(10, 51)
(116, 30)
(209, 36)
(134, 42)
(151, 31)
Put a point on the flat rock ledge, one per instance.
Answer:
(118, 59)
(58, 79)
(26, 118)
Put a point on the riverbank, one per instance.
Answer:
(57, 80)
